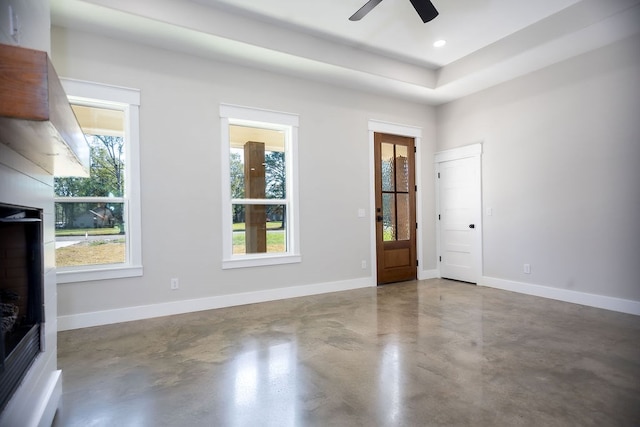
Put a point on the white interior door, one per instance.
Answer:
(460, 227)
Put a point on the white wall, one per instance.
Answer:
(180, 139)
(33, 23)
(561, 172)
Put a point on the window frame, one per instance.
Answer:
(248, 116)
(128, 100)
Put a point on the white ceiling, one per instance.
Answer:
(389, 51)
(394, 28)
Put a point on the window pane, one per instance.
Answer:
(260, 215)
(99, 121)
(107, 171)
(94, 233)
(90, 233)
(386, 155)
(259, 229)
(275, 175)
(402, 218)
(388, 217)
(402, 168)
(104, 131)
(257, 163)
(236, 169)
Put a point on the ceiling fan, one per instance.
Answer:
(425, 9)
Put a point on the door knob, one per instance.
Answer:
(378, 218)
(472, 226)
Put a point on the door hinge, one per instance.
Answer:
(417, 263)
(416, 188)
(438, 174)
(440, 259)
(415, 149)
(438, 217)
(416, 225)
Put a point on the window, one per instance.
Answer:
(259, 187)
(98, 217)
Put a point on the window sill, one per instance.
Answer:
(98, 273)
(259, 260)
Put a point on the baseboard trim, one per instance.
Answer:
(428, 274)
(575, 297)
(107, 317)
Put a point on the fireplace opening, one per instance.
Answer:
(21, 294)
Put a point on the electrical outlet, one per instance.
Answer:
(527, 269)
(364, 264)
(175, 284)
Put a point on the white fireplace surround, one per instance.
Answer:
(35, 401)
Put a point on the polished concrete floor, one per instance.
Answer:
(434, 352)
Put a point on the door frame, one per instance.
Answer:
(378, 126)
(468, 151)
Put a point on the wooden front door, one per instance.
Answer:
(395, 208)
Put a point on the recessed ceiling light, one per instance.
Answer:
(439, 43)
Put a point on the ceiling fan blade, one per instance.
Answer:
(425, 9)
(368, 6)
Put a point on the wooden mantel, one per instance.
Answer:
(36, 119)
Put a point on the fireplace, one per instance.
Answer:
(21, 294)
(39, 138)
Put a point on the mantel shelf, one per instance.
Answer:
(36, 119)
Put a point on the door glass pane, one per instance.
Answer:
(386, 157)
(403, 219)
(388, 217)
(402, 168)
(259, 229)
